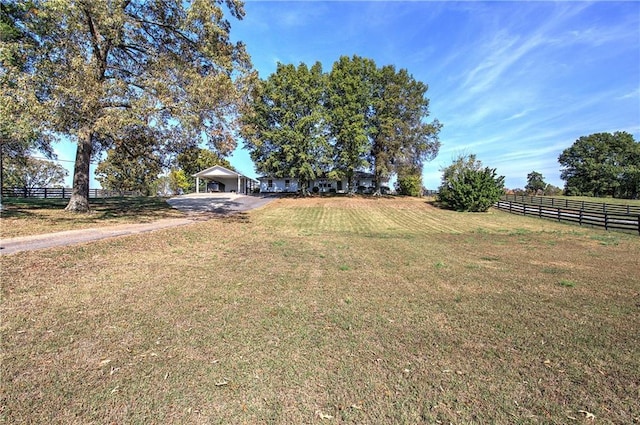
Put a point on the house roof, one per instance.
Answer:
(219, 171)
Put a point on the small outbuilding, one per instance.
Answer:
(221, 179)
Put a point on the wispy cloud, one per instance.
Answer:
(634, 94)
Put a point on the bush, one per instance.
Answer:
(468, 187)
(410, 185)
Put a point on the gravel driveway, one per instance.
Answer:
(193, 204)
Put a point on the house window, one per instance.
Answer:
(269, 183)
(286, 184)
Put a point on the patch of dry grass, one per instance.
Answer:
(327, 311)
(24, 217)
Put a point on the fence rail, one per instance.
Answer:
(608, 220)
(574, 204)
(61, 193)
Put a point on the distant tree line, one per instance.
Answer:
(304, 123)
(598, 165)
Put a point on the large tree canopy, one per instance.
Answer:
(304, 124)
(100, 66)
(402, 139)
(132, 164)
(21, 132)
(602, 164)
(349, 104)
(286, 130)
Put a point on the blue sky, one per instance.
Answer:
(513, 82)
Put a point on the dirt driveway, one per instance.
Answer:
(196, 206)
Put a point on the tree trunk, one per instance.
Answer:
(79, 201)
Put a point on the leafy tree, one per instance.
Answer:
(551, 190)
(132, 165)
(194, 159)
(28, 173)
(401, 136)
(467, 186)
(535, 183)
(602, 164)
(286, 131)
(20, 131)
(350, 97)
(178, 181)
(101, 66)
(306, 124)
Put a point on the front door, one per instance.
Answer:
(339, 186)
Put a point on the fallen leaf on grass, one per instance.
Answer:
(587, 415)
(323, 415)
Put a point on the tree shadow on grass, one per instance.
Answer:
(150, 208)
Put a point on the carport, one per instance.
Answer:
(221, 179)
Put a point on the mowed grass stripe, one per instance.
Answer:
(407, 216)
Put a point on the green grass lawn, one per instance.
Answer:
(333, 310)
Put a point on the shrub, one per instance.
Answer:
(410, 185)
(466, 186)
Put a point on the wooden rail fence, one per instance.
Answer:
(61, 192)
(610, 219)
(574, 204)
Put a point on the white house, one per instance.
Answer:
(221, 179)
(278, 185)
(364, 182)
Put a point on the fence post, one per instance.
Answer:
(540, 211)
(559, 215)
(606, 224)
(580, 221)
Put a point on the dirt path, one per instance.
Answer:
(197, 208)
(72, 237)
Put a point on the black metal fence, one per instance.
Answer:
(61, 193)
